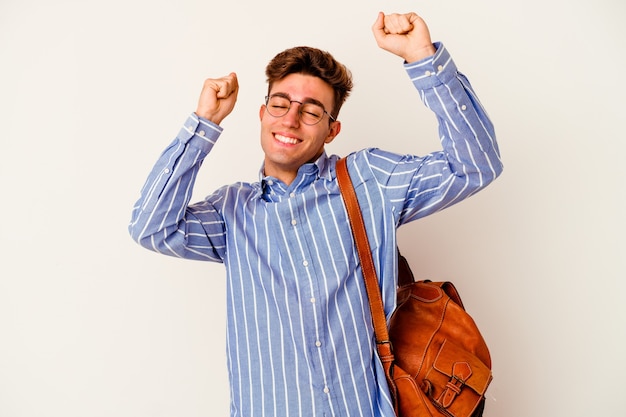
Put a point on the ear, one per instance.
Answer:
(335, 128)
(261, 111)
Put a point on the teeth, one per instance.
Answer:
(285, 139)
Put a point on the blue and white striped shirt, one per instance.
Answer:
(299, 332)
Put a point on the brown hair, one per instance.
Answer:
(315, 62)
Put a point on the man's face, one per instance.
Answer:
(286, 141)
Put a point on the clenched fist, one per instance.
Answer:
(218, 98)
(405, 35)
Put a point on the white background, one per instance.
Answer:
(91, 92)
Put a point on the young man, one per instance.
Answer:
(299, 331)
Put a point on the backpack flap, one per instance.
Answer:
(457, 381)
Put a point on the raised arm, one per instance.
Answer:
(469, 160)
(162, 219)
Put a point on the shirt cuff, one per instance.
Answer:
(432, 71)
(199, 132)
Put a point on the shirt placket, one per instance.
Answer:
(310, 295)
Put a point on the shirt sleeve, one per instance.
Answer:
(469, 160)
(162, 219)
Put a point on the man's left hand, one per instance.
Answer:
(405, 35)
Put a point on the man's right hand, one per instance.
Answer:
(218, 98)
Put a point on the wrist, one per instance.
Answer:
(213, 117)
(420, 53)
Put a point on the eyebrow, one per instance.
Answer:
(306, 100)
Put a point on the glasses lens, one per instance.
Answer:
(311, 113)
(278, 106)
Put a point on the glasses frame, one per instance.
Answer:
(267, 99)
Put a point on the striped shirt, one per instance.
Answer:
(299, 333)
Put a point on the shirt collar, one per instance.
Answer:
(321, 168)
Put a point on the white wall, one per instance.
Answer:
(90, 93)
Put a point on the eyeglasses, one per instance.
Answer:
(310, 113)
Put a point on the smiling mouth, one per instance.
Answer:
(286, 139)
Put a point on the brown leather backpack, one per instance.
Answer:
(436, 344)
(435, 358)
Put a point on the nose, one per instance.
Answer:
(292, 118)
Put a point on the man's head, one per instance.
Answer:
(306, 86)
(312, 61)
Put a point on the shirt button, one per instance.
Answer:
(318, 343)
(270, 182)
(440, 67)
(326, 390)
(305, 263)
(427, 73)
(294, 222)
(463, 107)
(166, 170)
(201, 133)
(292, 195)
(313, 299)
